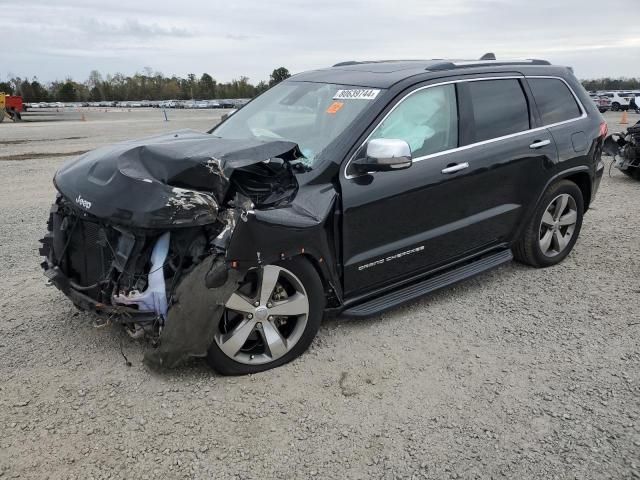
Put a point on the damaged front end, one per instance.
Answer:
(624, 147)
(140, 231)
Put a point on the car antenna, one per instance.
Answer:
(488, 56)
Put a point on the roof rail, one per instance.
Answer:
(347, 63)
(481, 63)
(364, 62)
(441, 66)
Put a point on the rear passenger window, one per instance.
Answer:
(499, 108)
(555, 101)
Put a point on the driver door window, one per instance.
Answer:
(427, 120)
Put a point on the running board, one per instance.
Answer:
(431, 284)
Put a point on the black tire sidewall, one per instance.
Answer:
(307, 274)
(564, 186)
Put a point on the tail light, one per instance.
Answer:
(604, 130)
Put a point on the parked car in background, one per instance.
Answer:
(603, 103)
(618, 101)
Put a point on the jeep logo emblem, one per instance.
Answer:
(83, 203)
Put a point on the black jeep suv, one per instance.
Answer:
(347, 190)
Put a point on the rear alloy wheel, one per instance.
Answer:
(615, 106)
(554, 228)
(270, 320)
(557, 225)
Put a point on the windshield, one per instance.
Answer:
(309, 114)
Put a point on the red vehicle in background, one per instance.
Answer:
(603, 103)
(11, 106)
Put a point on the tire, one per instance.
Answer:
(540, 242)
(294, 278)
(615, 106)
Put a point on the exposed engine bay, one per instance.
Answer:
(141, 231)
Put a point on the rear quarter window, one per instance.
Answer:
(499, 108)
(555, 101)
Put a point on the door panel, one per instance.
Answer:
(397, 224)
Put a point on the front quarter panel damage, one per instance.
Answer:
(306, 226)
(252, 239)
(229, 206)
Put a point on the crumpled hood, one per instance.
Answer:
(173, 179)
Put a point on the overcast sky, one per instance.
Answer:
(55, 39)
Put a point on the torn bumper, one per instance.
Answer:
(85, 302)
(131, 277)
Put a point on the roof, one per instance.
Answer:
(384, 73)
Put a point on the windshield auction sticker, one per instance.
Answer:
(356, 94)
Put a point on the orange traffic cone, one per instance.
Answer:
(624, 120)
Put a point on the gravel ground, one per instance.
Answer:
(518, 373)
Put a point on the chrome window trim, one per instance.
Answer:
(483, 142)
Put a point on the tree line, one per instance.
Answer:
(612, 84)
(151, 85)
(148, 85)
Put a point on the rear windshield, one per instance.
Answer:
(555, 101)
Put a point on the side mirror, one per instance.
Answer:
(384, 155)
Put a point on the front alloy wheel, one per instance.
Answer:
(271, 318)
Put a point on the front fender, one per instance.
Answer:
(303, 227)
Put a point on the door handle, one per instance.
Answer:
(455, 168)
(540, 143)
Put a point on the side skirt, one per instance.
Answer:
(416, 290)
